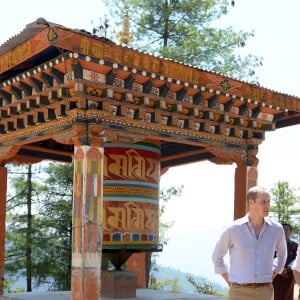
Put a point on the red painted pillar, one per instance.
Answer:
(245, 177)
(3, 190)
(87, 223)
(137, 263)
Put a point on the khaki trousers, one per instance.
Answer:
(251, 293)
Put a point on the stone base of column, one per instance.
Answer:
(118, 284)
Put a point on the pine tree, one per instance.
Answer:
(285, 205)
(187, 31)
(39, 231)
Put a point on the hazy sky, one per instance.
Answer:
(207, 201)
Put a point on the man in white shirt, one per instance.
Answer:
(252, 242)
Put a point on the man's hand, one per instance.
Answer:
(225, 276)
(296, 276)
(284, 272)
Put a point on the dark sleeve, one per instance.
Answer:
(291, 252)
(294, 247)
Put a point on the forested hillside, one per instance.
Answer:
(163, 273)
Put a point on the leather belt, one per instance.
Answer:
(252, 284)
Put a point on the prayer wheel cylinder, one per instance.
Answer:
(130, 200)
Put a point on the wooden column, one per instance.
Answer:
(87, 223)
(138, 263)
(3, 190)
(245, 177)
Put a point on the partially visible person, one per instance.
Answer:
(251, 242)
(296, 266)
(284, 283)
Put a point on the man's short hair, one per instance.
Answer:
(254, 191)
(287, 225)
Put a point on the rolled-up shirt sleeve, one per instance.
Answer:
(219, 253)
(281, 253)
(296, 263)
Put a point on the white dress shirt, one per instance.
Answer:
(251, 258)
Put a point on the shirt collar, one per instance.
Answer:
(245, 220)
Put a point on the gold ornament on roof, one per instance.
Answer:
(124, 36)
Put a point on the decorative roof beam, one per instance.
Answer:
(4, 113)
(197, 98)
(52, 96)
(20, 123)
(58, 76)
(52, 114)
(37, 84)
(255, 112)
(162, 104)
(11, 125)
(129, 82)
(147, 86)
(180, 94)
(47, 79)
(30, 120)
(6, 96)
(27, 89)
(16, 92)
(33, 103)
(228, 105)
(110, 78)
(2, 128)
(268, 127)
(258, 135)
(42, 100)
(89, 76)
(41, 118)
(212, 101)
(63, 93)
(22, 107)
(62, 109)
(278, 116)
(12, 110)
(243, 109)
(163, 90)
(77, 71)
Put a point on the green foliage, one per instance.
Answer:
(8, 287)
(170, 284)
(204, 286)
(285, 204)
(186, 31)
(163, 273)
(42, 251)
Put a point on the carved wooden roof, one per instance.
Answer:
(56, 81)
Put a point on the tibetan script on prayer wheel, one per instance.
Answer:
(131, 194)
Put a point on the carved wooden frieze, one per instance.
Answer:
(98, 91)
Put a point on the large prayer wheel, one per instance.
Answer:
(130, 200)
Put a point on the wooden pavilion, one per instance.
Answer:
(123, 118)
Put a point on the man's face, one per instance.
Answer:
(261, 205)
